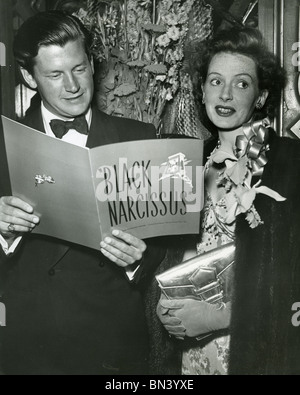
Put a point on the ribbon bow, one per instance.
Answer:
(250, 154)
(254, 144)
(60, 128)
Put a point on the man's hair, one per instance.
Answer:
(249, 42)
(45, 29)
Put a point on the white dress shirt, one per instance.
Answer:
(72, 137)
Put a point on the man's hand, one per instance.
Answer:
(16, 217)
(123, 249)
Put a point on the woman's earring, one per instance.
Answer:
(203, 99)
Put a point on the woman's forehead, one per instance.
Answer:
(233, 64)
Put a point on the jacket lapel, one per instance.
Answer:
(103, 131)
(34, 120)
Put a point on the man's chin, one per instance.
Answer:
(75, 111)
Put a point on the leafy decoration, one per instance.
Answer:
(140, 47)
(125, 89)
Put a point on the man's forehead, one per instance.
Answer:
(56, 54)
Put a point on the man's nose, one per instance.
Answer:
(71, 84)
(226, 93)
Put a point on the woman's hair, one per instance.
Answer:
(249, 42)
(44, 29)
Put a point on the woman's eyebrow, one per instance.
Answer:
(236, 75)
(213, 72)
(244, 74)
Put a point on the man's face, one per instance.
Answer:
(64, 79)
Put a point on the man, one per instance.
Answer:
(70, 309)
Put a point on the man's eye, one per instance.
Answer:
(80, 70)
(242, 84)
(54, 76)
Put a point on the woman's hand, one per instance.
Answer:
(193, 317)
(172, 324)
(123, 249)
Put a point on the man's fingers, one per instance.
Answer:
(16, 203)
(7, 220)
(15, 214)
(15, 211)
(120, 249)
(113, 258)
(123, 248)
(119, 257)
(131, 240)
(16, 229)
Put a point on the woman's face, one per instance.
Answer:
(231, 90)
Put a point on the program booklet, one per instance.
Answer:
(148, 188)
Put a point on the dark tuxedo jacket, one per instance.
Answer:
(69, 309)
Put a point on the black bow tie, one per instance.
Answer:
(60, 128)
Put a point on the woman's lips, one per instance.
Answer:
(225, 111)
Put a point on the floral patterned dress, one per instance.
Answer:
(212, 359)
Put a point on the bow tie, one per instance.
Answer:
(60, 128)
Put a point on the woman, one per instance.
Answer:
(252, 181)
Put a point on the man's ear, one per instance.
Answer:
(92, 65)
(29, 79)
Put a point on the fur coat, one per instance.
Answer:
(267, 273)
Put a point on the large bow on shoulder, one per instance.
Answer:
(254, 144)
(249, 160)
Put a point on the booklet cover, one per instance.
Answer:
(148, 188)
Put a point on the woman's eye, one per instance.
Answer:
(242, 84)
(215, 82)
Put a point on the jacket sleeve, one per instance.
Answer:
(153, 256)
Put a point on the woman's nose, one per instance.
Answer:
(226, 93)
(71, 84)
